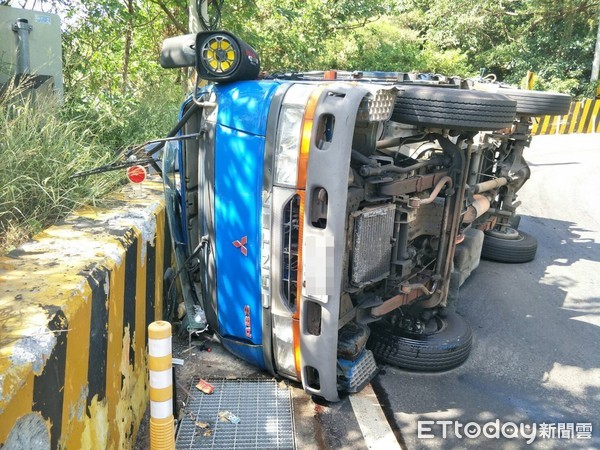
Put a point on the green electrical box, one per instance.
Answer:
(30, 44)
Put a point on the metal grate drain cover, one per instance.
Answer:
(263, 406)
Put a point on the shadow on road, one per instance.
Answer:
(535, 355)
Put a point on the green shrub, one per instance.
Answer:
(43, 144)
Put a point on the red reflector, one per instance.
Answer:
(136, 174)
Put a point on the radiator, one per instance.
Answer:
(372, 244)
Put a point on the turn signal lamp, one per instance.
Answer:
(380, 104)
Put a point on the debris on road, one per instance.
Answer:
(202, 346)
(202, 425)
(205, 387)
(228, 416)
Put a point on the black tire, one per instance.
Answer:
(456, 109)
(520, 250)
(538, 103)
(445, 349)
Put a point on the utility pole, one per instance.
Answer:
(596, 63)
(195, 24)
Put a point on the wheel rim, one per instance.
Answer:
(507, 233)
(434, 326)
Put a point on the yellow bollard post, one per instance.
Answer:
(530, 79)
(162, 430)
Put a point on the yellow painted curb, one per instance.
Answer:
(76, 302)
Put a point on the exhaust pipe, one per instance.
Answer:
(488, 185)
(480, 206)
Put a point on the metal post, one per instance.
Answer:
(22, 28)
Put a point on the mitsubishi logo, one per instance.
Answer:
(241, 244)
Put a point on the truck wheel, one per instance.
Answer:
(457, 109)
(537, 103)
(518, 249)
(445, 346)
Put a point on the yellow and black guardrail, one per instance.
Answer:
(583, 117)
(75, 303)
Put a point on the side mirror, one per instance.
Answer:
(178, 51)
(218, 56)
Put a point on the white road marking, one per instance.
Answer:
(371, 419)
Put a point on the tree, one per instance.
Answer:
(112, 46)
(294, 34)
(509, 37)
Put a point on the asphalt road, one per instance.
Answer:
(536, 350)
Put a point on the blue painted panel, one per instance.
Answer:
(239, 163)
(250, 353)
(245, 105)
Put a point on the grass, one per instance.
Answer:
(42, 144)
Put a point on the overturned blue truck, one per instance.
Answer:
(323, 220)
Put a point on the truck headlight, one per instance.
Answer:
(289, 134)
(288, 143)
(283, 345)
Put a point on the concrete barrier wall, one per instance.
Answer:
(74, 307)
(583, 117)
